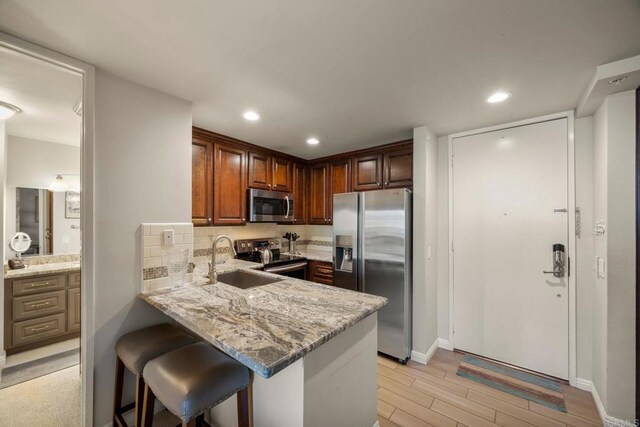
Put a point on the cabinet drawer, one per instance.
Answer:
(323, 280)
(323, 271)
(38, 285)
(74, 280)
(38, 305)
(29, 331)
(73, 310)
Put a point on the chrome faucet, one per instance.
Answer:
(213, 276)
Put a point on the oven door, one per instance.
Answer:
(270, 206)
(297, 270)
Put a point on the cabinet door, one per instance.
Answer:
(367, 172)
(229, 182)
(73, 310)
(202, 182)
(398, 169)
(299, 194)
(340, 182)
(282, 171)
(260, 171)
(318, 192)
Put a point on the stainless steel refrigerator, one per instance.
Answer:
(372, 253)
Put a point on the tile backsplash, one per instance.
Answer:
(155, 255)
(197, 240)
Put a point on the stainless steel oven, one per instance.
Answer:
(270, 206)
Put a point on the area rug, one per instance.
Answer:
(513, 381)
(17, 374)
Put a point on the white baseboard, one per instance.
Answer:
(583, 384)
(424, 358)
(3, 358)
(445, 344)
(607, 420)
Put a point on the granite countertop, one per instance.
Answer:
(324, 256)
(40, 269)
(268, 327)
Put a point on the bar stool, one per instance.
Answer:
(133, 351)
(192, 379)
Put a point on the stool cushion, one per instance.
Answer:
(193, 378)
(136, 348)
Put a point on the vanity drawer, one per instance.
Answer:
(74, 280)
(29, 331)
(27, 307)
(38, 285)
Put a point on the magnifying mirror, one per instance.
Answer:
(20, 243)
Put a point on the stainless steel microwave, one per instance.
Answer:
(270, 206)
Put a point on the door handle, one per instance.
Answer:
(287, 214)
(558, 261)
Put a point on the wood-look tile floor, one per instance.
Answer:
(416, 395)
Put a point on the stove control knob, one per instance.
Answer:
(244, 245)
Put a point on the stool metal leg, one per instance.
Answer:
(117, 398)
(245, 406)
(139, 399)
(147, 406)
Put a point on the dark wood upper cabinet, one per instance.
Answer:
(282, 174)
(398, 169)
(339, 182)
(367, 172)
(224, 167)
(202, 182)
(318, 194)
(230, 185)
(260, 169)
(300, 182)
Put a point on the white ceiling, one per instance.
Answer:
(45, 93)
(354, 73)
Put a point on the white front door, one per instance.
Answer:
(506, 185)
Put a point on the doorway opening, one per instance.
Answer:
(41, 309)
(512, 234)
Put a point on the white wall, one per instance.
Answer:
(142, 174)
(3, 237)
(599, 351)
(35, 164)
(584, 246)
(66, 239)
(620, 255)
(443, 237)
(425, 176)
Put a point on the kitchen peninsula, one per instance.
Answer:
(313, 346)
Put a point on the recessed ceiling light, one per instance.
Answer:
(252, 116)
(313, 141)
(7, 110)
(498, 97)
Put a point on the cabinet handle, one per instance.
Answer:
(269, 185)
(295, 220)
(41, 328)
(210, 221)
(41, 284)
(386, 183)
(244, 219)
(378, 184)
(42, 304)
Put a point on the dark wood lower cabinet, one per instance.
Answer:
(41, 310)
(321, 272)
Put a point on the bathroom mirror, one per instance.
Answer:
(50, 219)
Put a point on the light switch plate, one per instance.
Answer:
(167, 238)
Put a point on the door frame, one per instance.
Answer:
(571, 208)
(87, 72)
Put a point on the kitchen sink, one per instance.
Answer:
(243, 280)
